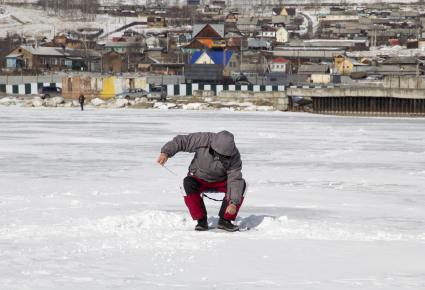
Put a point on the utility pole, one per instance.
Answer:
(262, 7)
(241, 61)
(298, 69)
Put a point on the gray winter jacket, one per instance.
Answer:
(207, 166)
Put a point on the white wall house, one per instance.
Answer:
(282, 35)
(268, 32)
(278, 65)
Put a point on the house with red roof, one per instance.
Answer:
(279, 65)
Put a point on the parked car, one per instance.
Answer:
(242, 80)
(158, 93)
(132, 94)
(301, 101)
(49, 92)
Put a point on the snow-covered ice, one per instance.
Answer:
(333, 202)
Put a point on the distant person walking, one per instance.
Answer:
(81, 99)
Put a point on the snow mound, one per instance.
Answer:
(150, 220)
(120, 103)
(195, 106)
(7, 101)
(97, 102)
(37, 102)
(164, 106)
(55, 101)
(260, 226)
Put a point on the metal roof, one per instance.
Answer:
(58, 52)
(42, 50)
(13, 55)
(248, 20)
(308, 53)
(254, 42)
(219, 28)
(313, 68)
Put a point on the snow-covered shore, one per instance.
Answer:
(138, 103)
(333, 202)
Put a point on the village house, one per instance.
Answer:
(52, 58)
(156, 21)
(231, 18)
(63, 41)
(211, 57)
(219, 3)
(212, 10)
(313, 68)
(126, 45)
(253, 63)
(315, 73)
(282, 11)
(249, 26)
(206, 36)
(283, 17)
(390, 26)
(259, 44)
(346, 44)
(343, 65)
(282, 35)
(399, 65)
(123, 54)
(278, 65)
(235, 41)
(211, 66)
(268, 32)
(193, 2)
(8, 44)
(114, 62)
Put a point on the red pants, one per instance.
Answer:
(194, 186)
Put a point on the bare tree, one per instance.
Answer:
(69, 7)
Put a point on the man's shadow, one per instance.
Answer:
(249, 222)
(254, 220)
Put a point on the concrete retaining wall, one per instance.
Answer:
(191, 89)
(26, 89)
(404, 82)
(276, 99)
(19, 80)
(357, 92)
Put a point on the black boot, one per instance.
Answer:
(227, 225)
(202, 225)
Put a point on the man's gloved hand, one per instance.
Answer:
(162, 159)
(231, 209)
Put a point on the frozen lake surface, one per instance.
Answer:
(333, 202)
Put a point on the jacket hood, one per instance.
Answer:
(223, 143)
